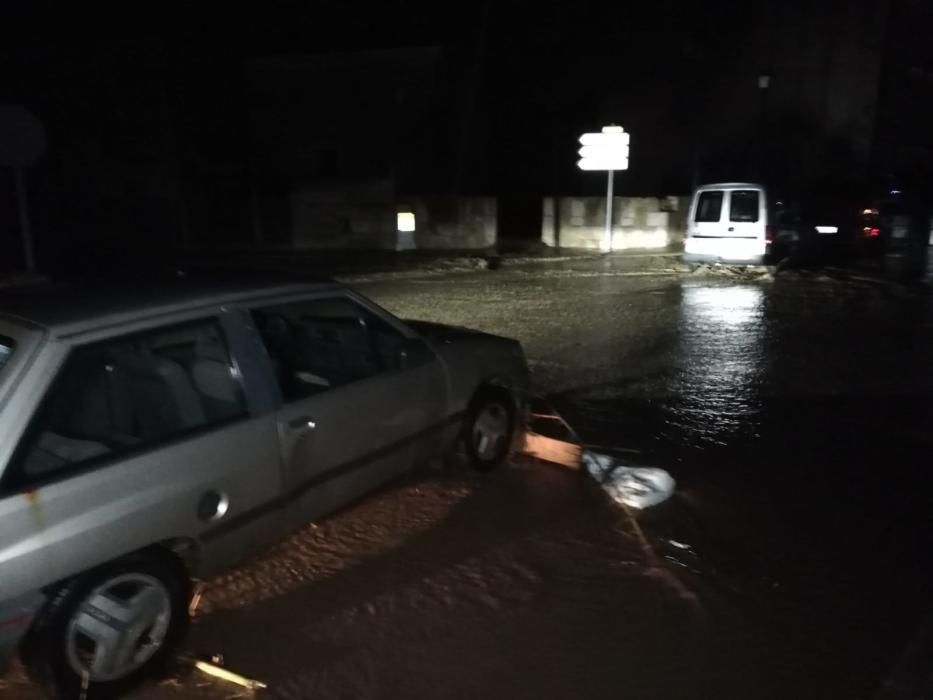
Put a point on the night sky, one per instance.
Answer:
(165, 83)
(540, 73)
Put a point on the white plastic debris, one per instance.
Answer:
(218, 671)
(636, 487)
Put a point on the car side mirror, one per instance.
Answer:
(414, 352)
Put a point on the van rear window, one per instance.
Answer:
(743, 205)
(709, 206)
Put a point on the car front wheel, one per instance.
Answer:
(488, 430)
(105, 631)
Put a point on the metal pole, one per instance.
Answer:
(25, 230)
(608, 234)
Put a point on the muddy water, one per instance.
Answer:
(796, 417)
(791, 563)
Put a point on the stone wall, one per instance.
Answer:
(453, 223)
(638, 222)
(365, 217)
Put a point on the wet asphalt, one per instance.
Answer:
(795, 414)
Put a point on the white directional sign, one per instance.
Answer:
(607, 163)
(604, 150)
(598, 152)
(603, 138)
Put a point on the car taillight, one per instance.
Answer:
(769, 234)
(874, 232)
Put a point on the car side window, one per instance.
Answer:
(320, 344)
(133, 392)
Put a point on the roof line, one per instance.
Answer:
(72, 329)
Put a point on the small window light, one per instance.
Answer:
(405, 221)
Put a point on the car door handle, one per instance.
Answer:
(731, 229)
(302, 423)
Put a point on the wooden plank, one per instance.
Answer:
(566, 454)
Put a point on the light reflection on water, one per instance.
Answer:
(721, 362)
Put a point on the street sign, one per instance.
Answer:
(605, 150)
(603, 163)
(600, 138)
(599, 152)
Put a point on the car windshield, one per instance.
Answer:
(7, 346)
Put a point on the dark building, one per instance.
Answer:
(804, 96)
(359, 127)
(902, 147)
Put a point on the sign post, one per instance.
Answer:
(607, 236)
(605, 150)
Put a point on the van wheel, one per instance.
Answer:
(104, 632)
(488, 430)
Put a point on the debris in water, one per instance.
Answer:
(214, 669)
(196, 596)
(636, 487)
(548, 437)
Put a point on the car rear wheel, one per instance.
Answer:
(488, 430)
(104, 632)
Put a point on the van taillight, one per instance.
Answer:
(769, 234)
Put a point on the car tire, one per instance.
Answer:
(144, 597)
(488, 430)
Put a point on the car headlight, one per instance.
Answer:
(827, 229)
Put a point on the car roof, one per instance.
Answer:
(731, 186)
(69, 308)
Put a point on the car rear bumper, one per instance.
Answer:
(16, 616)
(724, 249)
(725, 260)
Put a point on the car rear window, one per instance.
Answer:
(709, 206)
(743, 206)
(6, 351)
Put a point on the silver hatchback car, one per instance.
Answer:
(154, 436)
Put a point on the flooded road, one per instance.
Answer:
(792, 562)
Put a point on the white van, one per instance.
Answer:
(728, 222)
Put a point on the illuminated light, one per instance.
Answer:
(874, 232)
(405, 221)
(769, 234)
(870, 212)
(895, 192)
(827, 229)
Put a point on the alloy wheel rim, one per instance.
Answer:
(118, 627)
